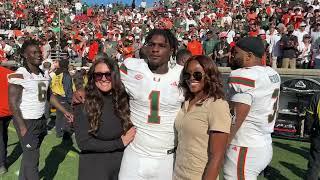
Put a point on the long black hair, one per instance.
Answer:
(94, 100)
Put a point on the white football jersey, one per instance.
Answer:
(155, 100)
(34, 94)
(258, 87)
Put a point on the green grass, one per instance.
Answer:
(59, 161)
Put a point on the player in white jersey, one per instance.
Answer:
(253, 93)
(154, 103)
(28, 88)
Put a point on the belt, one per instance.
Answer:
(171, 151)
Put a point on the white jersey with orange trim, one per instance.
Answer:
(259, 87)
(155, 100)
(34, 94)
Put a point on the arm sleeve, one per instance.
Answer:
(87, 142)
(219, 116)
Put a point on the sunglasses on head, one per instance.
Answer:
(99, 75)
(196, 75)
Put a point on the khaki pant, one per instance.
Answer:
(289, 63)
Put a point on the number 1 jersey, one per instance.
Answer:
(155, 100)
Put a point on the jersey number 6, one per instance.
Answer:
(154, 98)
(42, 91)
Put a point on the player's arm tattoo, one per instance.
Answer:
(15, 94)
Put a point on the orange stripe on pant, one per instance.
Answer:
(241, 162)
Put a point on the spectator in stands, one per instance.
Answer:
(209, 44)
(304, 49)
(182, 56)
(300, 32)
(195, 46)
(222, 51)
(289, 44)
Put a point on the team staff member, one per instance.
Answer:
(5, 117)
(203, 123)
(61, 87)
(254, 92)
(313, 127)
(28, 88)
(102, 123)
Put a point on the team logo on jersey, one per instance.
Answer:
(174, 84)
(156, 79)
(138, 77)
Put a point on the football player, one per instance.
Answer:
(28, 88)
(154, 103)
(253, 94)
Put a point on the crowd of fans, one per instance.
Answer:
(290, 29)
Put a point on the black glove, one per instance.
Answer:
(29, 141)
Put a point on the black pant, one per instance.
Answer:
(30, 158)
(62, 124)
(314, 159)
(4, 124)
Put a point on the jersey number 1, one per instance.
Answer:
(154, 98)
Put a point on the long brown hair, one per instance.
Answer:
(94, 97)
(213, 86)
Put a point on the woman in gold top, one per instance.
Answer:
(203, 123)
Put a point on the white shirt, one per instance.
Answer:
(274, 44)
(8, 49)
(305, 52)
(155, 100)
(299, 34)
(34, 94)
(78, 6)
(259, 87)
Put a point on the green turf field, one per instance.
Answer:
(59, 160)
